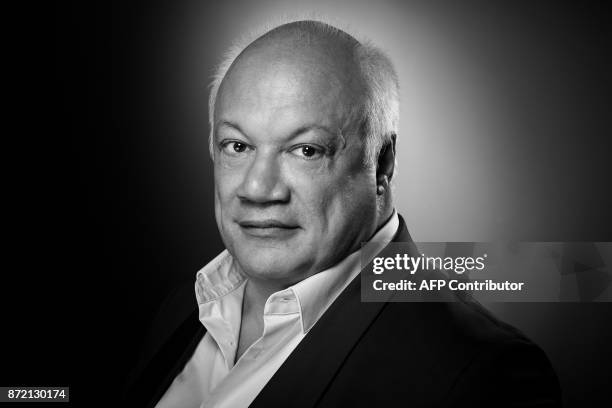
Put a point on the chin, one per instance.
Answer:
(271, 264)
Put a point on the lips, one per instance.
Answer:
(269, 228)
(271, 223)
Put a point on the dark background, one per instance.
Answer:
(109, 187)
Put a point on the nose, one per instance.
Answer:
(263, 182)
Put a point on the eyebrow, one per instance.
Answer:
(299, 131)
(225, 123)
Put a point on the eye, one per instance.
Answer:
(307, 152)
(238, 147)
(234, 147)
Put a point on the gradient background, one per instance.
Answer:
(504, 135)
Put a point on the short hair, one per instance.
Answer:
(378, 114)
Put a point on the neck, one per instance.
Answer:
(257, 293)
(252, 323)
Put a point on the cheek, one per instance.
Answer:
(330, 200)
(224, 186)
(226, 182)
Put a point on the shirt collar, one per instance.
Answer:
(309, 297)
(218, 278)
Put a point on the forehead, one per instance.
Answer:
(280, 86)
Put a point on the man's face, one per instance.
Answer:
(292, 196)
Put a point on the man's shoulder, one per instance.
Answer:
(447, 352)
(463, 319)
(454, 334)
(177, 307)
(177, 310)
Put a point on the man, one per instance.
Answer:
(303, 130)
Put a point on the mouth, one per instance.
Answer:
(269, 228)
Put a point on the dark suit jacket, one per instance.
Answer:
(372, 354)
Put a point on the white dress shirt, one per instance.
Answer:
(211, 378)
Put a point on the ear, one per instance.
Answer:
(386, 163)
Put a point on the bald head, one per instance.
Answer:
(308, 34)
(325, 65)
(291, 72)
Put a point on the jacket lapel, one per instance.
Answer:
(167, 363)
(303, 378)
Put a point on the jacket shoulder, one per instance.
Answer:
(176, 308)
(444, 354)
